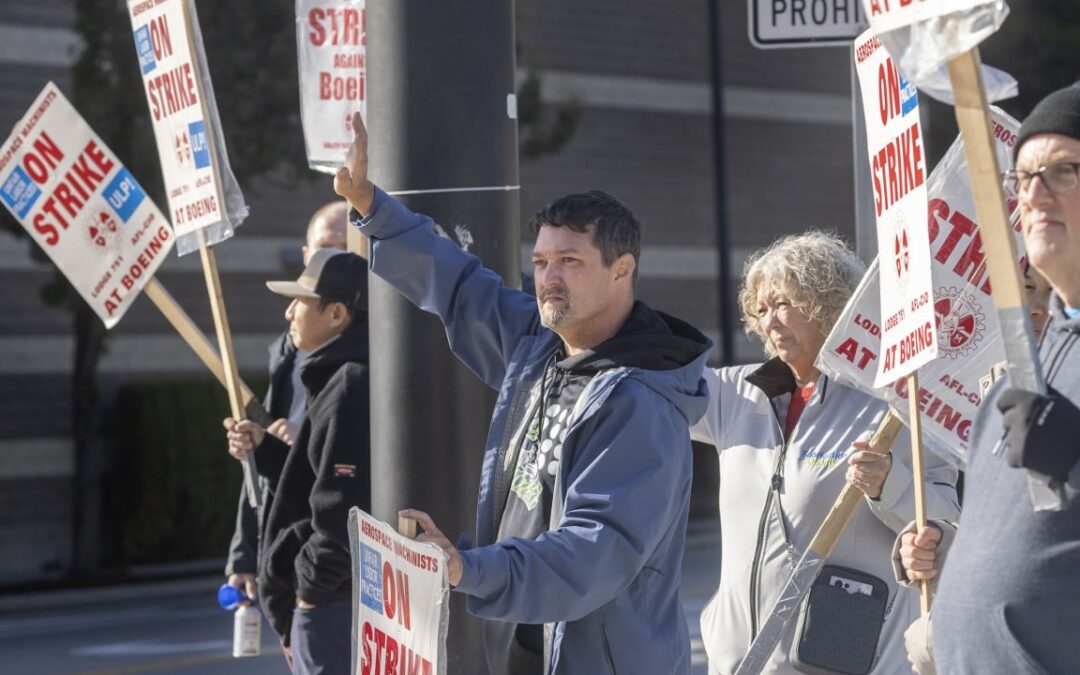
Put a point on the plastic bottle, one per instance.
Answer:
(247, 622)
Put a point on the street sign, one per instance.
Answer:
(778, 24)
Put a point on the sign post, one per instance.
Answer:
(776, 24)
(785, 24)
(184, 128)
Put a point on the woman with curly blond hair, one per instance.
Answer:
(788, 439)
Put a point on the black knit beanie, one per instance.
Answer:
(1058, 113)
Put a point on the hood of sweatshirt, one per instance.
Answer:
(351, 346)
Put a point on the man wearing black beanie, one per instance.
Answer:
(1009, 597)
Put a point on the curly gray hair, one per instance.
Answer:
(815, 271)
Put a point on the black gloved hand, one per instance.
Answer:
(1043, 432)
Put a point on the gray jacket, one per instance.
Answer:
(743, 425)
(1009, 597)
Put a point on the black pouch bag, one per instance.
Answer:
(840, 623)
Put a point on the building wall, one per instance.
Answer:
(641, 73)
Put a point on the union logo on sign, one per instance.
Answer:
(960, 322)
(102, 230)
(182, 147)
(903, 254)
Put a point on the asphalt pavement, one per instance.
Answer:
(176, 628)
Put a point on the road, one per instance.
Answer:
(185, 633)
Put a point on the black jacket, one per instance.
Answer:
(243, 549)
(305, 541)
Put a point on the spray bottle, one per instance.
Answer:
(247, 622)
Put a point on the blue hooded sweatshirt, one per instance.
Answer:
(604, 578)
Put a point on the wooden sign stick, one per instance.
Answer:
(210, 270)
(914, 415)
(203, 348)
(406, 527)
(228, 358)
(973, 118)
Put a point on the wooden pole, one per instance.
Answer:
(843, 508)
(973, 118)
(201, 345)
(228, 358)
(406, 527)
(917, 472)
(210, 270)
(976, 127)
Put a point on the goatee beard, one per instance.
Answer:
(552, 317)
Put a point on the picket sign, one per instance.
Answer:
(898, 172)
(331, 64)
(93, 219)
(188, 150)
(814, 558)
(82, 206)
(973, 118)
(401, 600)
(969, 337)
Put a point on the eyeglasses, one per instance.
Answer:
(1056, 178)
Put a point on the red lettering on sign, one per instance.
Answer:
(896, 169)
(381, 654)
(337, 88)
(49, 222)
(888, 91)
(159, 37)
(396, 595)
(347, 26)
(171, 91)
(44, 156)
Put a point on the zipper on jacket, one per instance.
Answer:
(776, 482)
(518, 409)
(607, 648)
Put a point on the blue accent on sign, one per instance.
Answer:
(909, 96)
(19, 192)
(124, 194)
(371, 587)
(200, 148)
(144, 47)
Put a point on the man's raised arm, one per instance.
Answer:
(484, 318)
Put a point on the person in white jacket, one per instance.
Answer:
(788, 439)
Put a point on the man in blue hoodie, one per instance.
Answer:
(585, 486)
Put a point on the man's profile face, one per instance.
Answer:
(572, 283)
(1051, 221)
(1037, 299)
(309, 326)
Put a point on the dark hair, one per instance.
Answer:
(349, 311)
(616, 233)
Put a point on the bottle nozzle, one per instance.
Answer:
(230, 597)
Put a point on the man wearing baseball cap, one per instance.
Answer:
(304, 561)
(1009, 598)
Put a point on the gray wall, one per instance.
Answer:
(641, 72)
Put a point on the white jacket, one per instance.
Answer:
(743, 425)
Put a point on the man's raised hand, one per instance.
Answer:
(351, 180)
